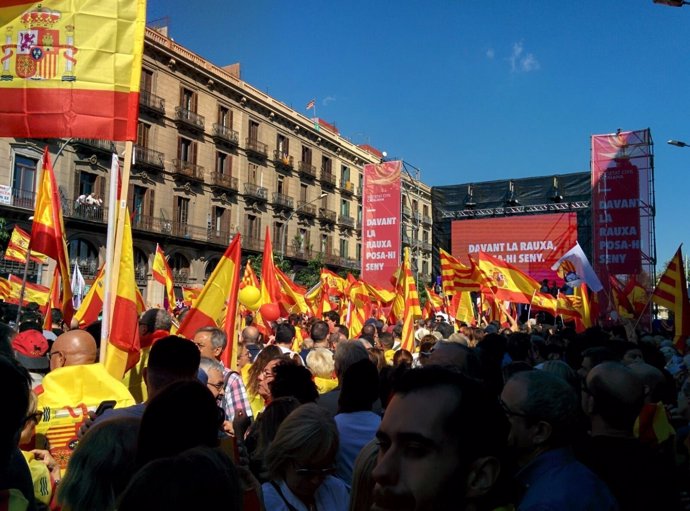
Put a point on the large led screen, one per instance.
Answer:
(531, 243)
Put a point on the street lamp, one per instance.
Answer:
(287, 221)
(672, 3)
(678, 143)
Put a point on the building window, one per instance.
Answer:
(282, 145)
(181, 216)
(425, 269)
(146, 81)
(344, 173)
(344, 207)
(358, 251)
(303, 189)
(326, 164)
(186, 150)
(188, 99)
(179, 265)
(84, 254)
(141, 206)
(326, 244)
(24, 181)
(224, 117)
(253, 174)
(143, 133)
(253, 227)
(343, 247)
(278, 233)
(220, 223)
(223, 164)
(253, 130)
(306, 154)
(281, 186)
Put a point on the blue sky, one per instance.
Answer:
(470, 91)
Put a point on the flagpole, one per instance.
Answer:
(529, 309)
(21, 291)
(109, 250)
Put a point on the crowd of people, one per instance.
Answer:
(524, 417)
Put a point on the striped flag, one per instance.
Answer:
(92, 304)
(293, 294)
(217, 302)
(406, 303)
(32, 293)
(311, 104)
(5, 288)
(359, 306)
(162, 273)
(506, 281)
(455, 276)
(18, 245)
(249, 278)
(671, 292)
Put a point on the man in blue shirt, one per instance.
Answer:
(543, 413)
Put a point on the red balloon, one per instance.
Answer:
(270, 311)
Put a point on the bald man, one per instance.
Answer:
(612, 398)
(74, 386)
(250, 335)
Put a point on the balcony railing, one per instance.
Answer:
(94, 213)
(88, 266)
(141, 273)
(331, 258)
(218, 180)
(301, 253)
(349, 262)
(15, 268)
(252, 243)
(406, 211)
(256, 147)
(256, 191)
(149, 101)
(346, 221)
(306, 209)
(145, 157)
(180, 275)
(105, 146)
(307, 169)
(221, 237)
(169, 227)
(347, 187)
(283, 160)
(190, 119)
(225, 135)
(327, 215)
(426, 246)
(426, 220)
(188, 169)
(280, 199)
(327, 177)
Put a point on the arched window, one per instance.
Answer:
(84, 254)
(179, 265)
(141, 266)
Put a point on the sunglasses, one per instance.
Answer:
(218, 386)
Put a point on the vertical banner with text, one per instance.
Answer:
(617, 160)
(381, 201)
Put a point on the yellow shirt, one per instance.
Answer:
(40, 476)
(324, 385)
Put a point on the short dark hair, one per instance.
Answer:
(599, 354)
(172, 358)
(333, 316)
(285, 333)
(387, 340)
(445, 329)
(294, 380)
(319, 331)
(486, 433)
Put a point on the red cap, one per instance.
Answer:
(31, 347)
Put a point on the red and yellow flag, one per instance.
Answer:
(17, 248)
(48, 231)
(5, 288)
(54, 301)
(218, 300)
(71, 68)
(162, 273)
(406, 303)
(270, 287)
(92, 304)
(359, 306)
(505, 280)
(123, 339)
(249, 278)
(671, 292)
(293, 294)
(190, 294)
(32, 293)
(455, 276)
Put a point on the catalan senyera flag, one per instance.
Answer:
(48, 231)
(671, 292)
(123, 338)
(406, 304)
(218, 300)
(92, 304)
(249, 278)
(505, 280)
(162, 273)
(455, 276)
(5, 288)
(17, 248)
(71, 68)
(32, 293)
(460, 308)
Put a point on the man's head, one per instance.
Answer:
(285, 334)
(332, 318)
(445, 329)
(387, 340)
(171, 359)
(439, 443)
(455, 355)
(592, 357)
(652, 380)
(154, 319)
(542, 409)
(319, 333)
(250, 335)
(74, 347)
(346, 354)
(369, 333)
(612, 396)
(214, 373)
(211, 341)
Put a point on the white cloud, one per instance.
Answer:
(521, 62)
(490, 54)
(327, 100)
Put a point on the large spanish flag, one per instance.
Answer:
(32, 293)
(48, 230)
(506, 281)
(71, 68)
(671, 292)
(218, 300)
(92, 304)
(18, 245)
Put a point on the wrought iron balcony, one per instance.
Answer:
(327, 177)
(327, 215)
(151, 103)
(346, 221)
(104, 146)
(256, 147)
(426, 246)
(347, 187)
(223, 134)
(188, 170)
(223, 181)
(148, 158)
(88, 266)
(280, 199)
(221, 237)
(167, 227)
(256, 191)
(189, 119)
(252, 243)
(406, 211)
(349, 262)
(331, 258)
(180, 275)
(427, 220)
(307, 169)
(304, 208)
(283, 160)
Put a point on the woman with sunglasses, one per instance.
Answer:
(301, 463)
